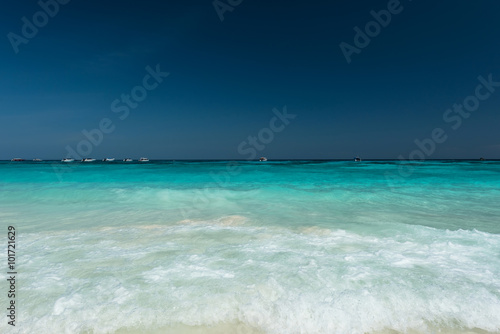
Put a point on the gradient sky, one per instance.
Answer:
(227, 76)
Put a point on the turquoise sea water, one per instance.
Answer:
(245, 247)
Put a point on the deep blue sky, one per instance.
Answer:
(226, 77)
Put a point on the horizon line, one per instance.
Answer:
(269, 160)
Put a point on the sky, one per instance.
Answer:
(240, 79)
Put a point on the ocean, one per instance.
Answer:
(242, 247)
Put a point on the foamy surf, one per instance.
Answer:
(218, 277)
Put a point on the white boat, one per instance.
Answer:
(263, 159)
(143, 160)
(68, 160)
(108, 159)
(128, 160)
(88, 160)
(37, 160)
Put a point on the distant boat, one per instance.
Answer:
(143, 160)
(88, 160)
(17, 159)
(263, 159)
(37, 160)
(108, 159)
(357, 159)
(481, 159)
(68, 160)
(128, 160)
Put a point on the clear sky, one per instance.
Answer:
(225, 78)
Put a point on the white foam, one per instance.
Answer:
(274, 280)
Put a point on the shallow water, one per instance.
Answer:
(276, 247)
